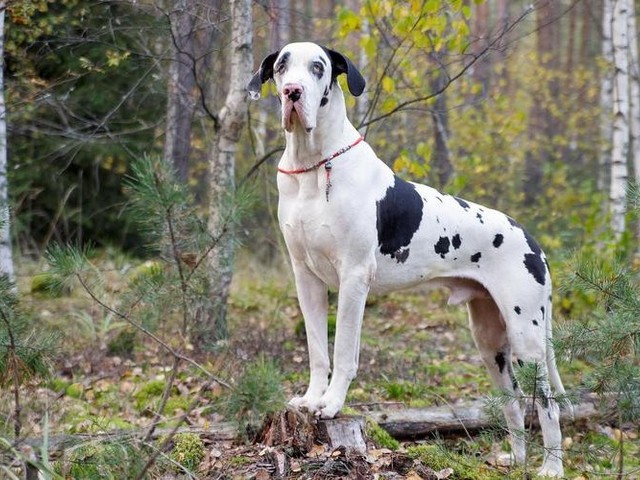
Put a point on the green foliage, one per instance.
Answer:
(25, 351)
(465, 467)
(380, 437)
(83, 100)
(109, 460)
(188, 451)
(256, 393)
(609, 336)
(123, 344)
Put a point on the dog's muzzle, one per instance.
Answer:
(294, 108)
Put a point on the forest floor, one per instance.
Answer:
(415, 351)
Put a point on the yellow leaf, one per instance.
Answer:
(388, 85)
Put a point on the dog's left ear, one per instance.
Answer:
(341, 64)
(264, 74)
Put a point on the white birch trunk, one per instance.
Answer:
(620, 138)
(232, 118)
(606, 98)
(6, 258)
(634, 93)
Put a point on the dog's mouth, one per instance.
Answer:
(294, 113)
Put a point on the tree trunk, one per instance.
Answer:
(231, 120)
(181, 87)
(543, 125)
(6, 258)
(606, 99)
(634, 96)
(620, 138)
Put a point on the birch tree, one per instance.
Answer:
(231, 120)
(634, 93)
(620, 134)
(606, 97)
(6, 259)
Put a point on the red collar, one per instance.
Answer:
(322, 162)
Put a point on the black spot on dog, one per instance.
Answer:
(399, 214)
(497, 240)
(542, 310)
(456, 241)
(500, 361)
(462, 203)
(533, 261)
(475, 258)
(440, 198)
(442, 246)
(401, 255)
(325, 95)
(517, 310)
(535, 266)
(479, 217)
(535, 322)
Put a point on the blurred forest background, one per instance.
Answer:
(122, 112)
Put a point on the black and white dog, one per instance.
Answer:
(351, 224)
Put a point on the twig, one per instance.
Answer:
(451, 79)
(155, 338)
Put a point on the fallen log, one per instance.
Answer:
(413, 423)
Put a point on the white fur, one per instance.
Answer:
(335, 244)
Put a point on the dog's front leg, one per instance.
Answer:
(312, 296)
(352, 297)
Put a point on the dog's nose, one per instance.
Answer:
(292, 91)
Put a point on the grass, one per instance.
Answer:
(415, 351)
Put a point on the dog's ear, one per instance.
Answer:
(341, 64)
(264, 73)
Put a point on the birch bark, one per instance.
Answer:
(6, 257)
(620, 137)
(606, 98)
(634, 93)
(231, 120)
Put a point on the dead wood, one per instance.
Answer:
(412, 423)
(302, 431)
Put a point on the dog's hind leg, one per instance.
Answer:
(549, 417)
(489, 333)
(313, 299)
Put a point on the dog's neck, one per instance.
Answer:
(333, 132)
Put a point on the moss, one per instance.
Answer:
(380, 437)
(75, 390)
(464, 467)
(188, 450)
(147, 393)
(176, 403)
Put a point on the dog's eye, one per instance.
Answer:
(280, 67)
(317, 68)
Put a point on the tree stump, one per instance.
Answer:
(302, 431)
(347, 431)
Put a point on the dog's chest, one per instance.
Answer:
(324, 234)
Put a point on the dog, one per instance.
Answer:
(351, 224)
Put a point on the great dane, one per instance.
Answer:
(350, 223)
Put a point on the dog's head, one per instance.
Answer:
(305, 74)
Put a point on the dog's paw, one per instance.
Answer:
(553, 470)
(305, 404)
(330, 408)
